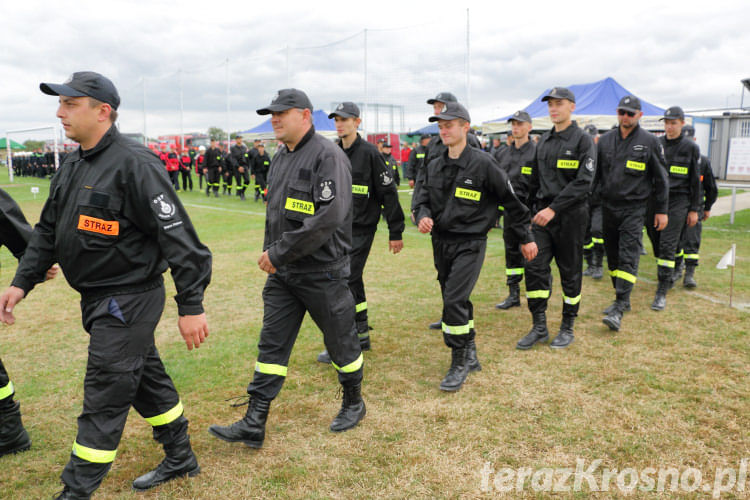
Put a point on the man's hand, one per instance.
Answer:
(264, 263)
(543, 217)
(52, 272)
(692, 219)
(395, 246)
(529, 251)
(194, 329)
(425, 225)
(241, 170)
(706, 214)
(411, 183)
(660, 221)
(8, 300)
(205, 171)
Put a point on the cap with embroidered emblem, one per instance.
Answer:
(85, 84)
(559, 93)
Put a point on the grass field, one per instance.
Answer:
(671, 389)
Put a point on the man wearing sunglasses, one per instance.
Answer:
(630, 174)
(682, 157)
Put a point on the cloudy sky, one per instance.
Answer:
(688, 53)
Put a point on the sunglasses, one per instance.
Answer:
(624, 112)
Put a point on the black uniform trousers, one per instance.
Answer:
(187, 179)
(665, 242)
(458, 262)
(514, 260)
(561, 238)
(243, 179)
(260, 185)
(123, 370)
(228, 179)
(690, 243)
(200, 179)
(361, 245)
(623, 229)
(286, 298)
(174, 178)
(212, 179)
(594, 240)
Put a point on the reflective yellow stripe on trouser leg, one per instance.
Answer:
(167, 417)
(7, 390)
(351, 367)
(270, 369)
(93, 455)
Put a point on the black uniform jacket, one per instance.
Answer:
(260, 164)
(114, 223)
(214, 158)
(631, 171)
(15, 231)
(461, 196)
(563, 169)
(682, 157)
(516, 163)
(708, 184)
(373, 187)
(309, 212)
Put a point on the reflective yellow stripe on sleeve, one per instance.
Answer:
(362, 306)
(93, 455)
(167, 417)
(420, 155)
(270, 369)
(351, 367)
(6, 391)
(526, 170)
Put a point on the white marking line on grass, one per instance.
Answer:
(245, 212)
(735, 305)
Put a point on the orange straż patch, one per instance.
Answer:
(94, 225)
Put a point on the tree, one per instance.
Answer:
(217, 134)
(32, 145)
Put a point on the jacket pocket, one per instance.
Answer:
(298, 204)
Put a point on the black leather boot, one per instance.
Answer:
(588, 257)
(565, 335)
(597, 258)
(352, 408)
(689, 281)
(472, 362)
(610, 308)
(513, 299)
(67, 494)
(437, 325)
(180, 461)
(538, 332)
(613, 319)
(457, 372)
(13, 436)
(660, 299)
(250, 430)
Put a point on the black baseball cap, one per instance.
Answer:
(287, 99)
(520, 116)
(345, 110)
(559, 93)
(673, 113)
(386, 144)
(688, 131)
(444, 97)
(630, 103)
(85, 84)
(451, 111)
(425, 136)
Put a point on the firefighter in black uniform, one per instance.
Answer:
(14, 234)
(260, 166)
(241, 161)
(200, 162)
(690, 243)
(593, 245)
(515, 160)
(391, 162)
(436, 148)
(213, 167)
(630, 175)
(561, 176)
(227, 172)
(458, 205)
(306, 247)
(186, 165)
(416, 160)
(115, 224)
(682, 155)
(373, 191)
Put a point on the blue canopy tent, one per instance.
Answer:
(595, 103)
(432, 128)
(321, 122)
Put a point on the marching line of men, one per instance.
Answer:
(322, 213)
